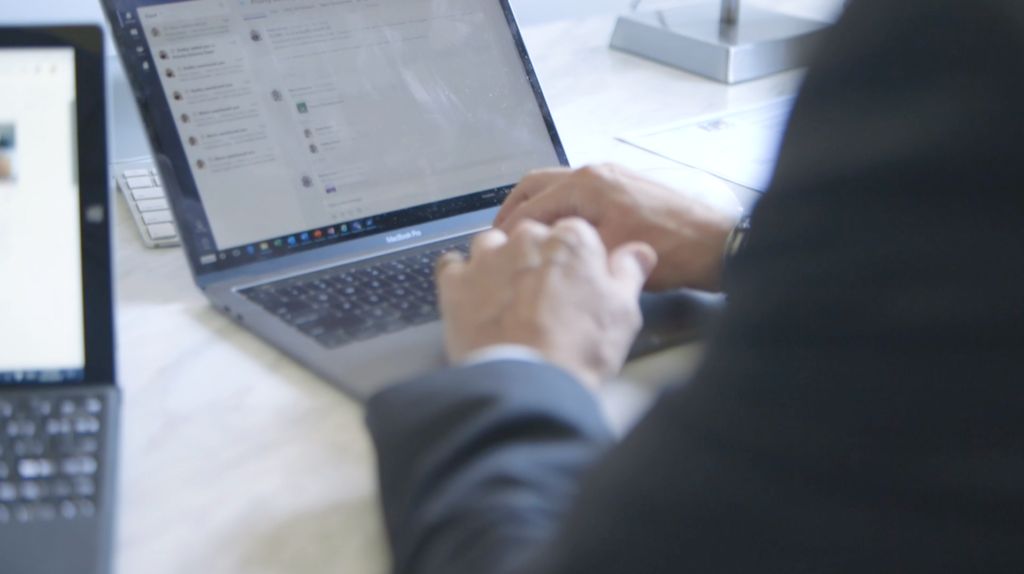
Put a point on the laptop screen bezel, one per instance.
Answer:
(169, 156)
(94, 215)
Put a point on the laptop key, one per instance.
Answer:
(86, 508)
(21, 428)
(29, 468)
(31, 491)
(45, 511)
(61, 488)
(68, 509)
(79, 466)
(87, 425)
(306, 317)
(29, 447)
(367, 331)
(88, 445)
(42, 408)
(84, 486)
(292, 308)
(22, 513)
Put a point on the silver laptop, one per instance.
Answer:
(58, 400)
(318, 156)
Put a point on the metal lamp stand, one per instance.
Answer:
(718, 42)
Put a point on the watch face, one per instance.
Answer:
(737, 237)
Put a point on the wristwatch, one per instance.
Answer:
(737, 239)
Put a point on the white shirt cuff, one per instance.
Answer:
(507, 352)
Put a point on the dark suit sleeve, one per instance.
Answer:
(859, 408)
(477, 465)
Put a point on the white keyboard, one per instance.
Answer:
(143, 191)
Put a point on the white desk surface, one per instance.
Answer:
(235, 458)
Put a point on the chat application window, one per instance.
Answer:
(296, 114)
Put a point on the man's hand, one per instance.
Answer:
(554, 289)
(689, 235)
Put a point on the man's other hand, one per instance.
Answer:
(554, 289)
(688, 234)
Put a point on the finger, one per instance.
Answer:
(576, 238)
(631, 264)
(531, 185)
(448, 265)
(529, 230)
(556, 202)
(525, 243)
(488, 241)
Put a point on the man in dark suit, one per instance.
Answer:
(860, 407)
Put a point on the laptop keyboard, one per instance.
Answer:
(350, 303)
(49, 458)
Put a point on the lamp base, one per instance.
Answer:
(695, 39)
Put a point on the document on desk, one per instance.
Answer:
(740, 147)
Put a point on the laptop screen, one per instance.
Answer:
(42, 324)
(290, 124)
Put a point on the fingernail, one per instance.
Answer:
(646, 258)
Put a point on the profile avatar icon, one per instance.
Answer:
(163, 54)
(177, 96)
(192, 141)
(307, 181)
(155, 32)
(185, 118)
(313, 148)
(308, 133)
(276, 95)
(169, 72)
(256, 35)
(8, 148)
(200, 164)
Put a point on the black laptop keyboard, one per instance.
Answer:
(49, 457)
(352, 303)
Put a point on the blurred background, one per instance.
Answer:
(527, 11)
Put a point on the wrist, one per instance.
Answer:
(501, 352)
(698, 250)
(588, 377)
(718, 243)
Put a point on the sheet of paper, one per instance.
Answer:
(740, 147)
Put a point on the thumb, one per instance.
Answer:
(631, 264)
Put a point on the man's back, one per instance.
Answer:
(859, 409)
